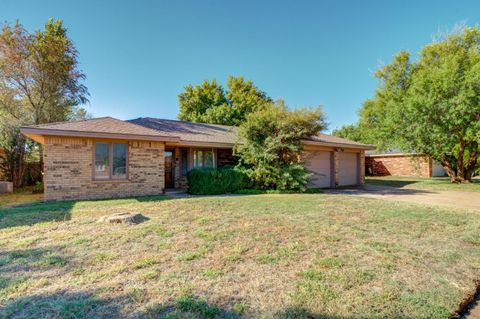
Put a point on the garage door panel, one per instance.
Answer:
(348, 169)
(319, 164)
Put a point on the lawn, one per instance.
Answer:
(435, 183)
(20, 196)
(283, 256)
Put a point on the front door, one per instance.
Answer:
(168, 169)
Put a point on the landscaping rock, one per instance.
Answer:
(123, 218)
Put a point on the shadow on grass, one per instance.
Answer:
(62, 304)
(302, 313)
(189, 307)
(379, 189)
(32, 260)
(30, 214)
(27, 215)
(392, 182)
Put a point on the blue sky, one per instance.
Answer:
(139, 55)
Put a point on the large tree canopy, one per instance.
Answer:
(39, 77)
(271, 145)
(431, 105)
(39, 83)
(209, 103)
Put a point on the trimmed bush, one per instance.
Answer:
(210, 181)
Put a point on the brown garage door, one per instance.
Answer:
(347, 169)
(319, 163)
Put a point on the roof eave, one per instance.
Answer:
(29, 131)
(202, 144)
(341, 145)
(395, 155)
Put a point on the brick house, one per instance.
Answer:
(107, 157)
(395, 163)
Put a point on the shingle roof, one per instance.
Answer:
(191, 132)
(214, 133)
(330, 139)
(98, 127)
(164, 130)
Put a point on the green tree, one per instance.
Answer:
(12, 163)
(270, 152)
(39, 79)
(203, 103)
(352, 132)
(431, 105)
(210, 103)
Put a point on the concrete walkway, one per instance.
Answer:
(454, 199)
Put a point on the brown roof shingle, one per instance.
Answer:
(214, 133)
(191, 132)
(165, 130)
(98, 127)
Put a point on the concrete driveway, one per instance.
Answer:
(469, 200)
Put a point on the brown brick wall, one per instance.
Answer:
(225, 157)
(401, 165)
(69, 173)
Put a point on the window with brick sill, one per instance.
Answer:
(110, 161)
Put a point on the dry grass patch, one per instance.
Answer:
(287, 256)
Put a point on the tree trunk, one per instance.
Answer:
(460, 162)
(471, 164)
(450, 171)
(17, 166)
(40, 161)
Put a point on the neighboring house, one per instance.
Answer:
(396, 163)
(107, 157)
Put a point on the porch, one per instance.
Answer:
(179, 160)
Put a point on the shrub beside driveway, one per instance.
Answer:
(292, 255)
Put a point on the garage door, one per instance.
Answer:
(318, 163)
(347, 169)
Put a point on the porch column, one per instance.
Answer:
(177, 155)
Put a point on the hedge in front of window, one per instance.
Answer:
(210, 181)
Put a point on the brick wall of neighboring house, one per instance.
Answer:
(68, 166)
(399, 165)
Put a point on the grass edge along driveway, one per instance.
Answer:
(433, 183)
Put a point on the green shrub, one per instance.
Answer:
(209, 181)
(271, 148)
(38, 188)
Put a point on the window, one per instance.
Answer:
(102, 161)
(202, 159)
(184, 167)
(119, 161)
(110, 161)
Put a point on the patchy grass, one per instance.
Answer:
(20, 196)
(254, 191)
(273, 255)
(434, 183)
